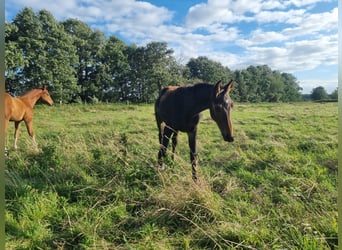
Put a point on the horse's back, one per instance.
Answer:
(167, 99)
(167, 91)
(171, 108)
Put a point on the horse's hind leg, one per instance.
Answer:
(161, 132)
(160, 137)
(165, 142)
(174, 143)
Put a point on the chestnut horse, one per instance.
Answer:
(21, 109)
(179, 108)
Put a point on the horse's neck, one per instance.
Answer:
(203, 94)
(31, 98)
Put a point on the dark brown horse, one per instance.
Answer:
(21, 109)
(179, 108)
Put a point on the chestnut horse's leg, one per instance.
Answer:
(16, 134)
(174, 143)
(6, 137)
(165, 142)
(193, 153)
(29, 126)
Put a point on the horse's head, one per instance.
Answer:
(220, 109)
(45, 96)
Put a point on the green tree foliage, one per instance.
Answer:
(319, 93)
(151, 68)
(14, 60)
(88, 44)
(334, 94)
(291, 88)
(261, 84)
(112, 70)
(208, 70)
(83, 65)
(45, 54)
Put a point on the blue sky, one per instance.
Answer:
(295, 36)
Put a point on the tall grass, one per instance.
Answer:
(95, 184)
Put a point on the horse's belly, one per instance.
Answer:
(16, 116)
(182, 124)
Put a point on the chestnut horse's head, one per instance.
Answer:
(220, 109)
(45, 96)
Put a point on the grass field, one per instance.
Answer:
(94, 183)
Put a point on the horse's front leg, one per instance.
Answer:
(193, 153)
(29, 126)
(16, 134)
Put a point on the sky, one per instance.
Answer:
(294, 36)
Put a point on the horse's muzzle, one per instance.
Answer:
(228, 138)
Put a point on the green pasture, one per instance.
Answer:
(94, 182)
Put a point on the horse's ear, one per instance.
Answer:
(229, 86)
(218, 86)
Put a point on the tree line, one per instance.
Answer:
(320, 94)
(79, 64)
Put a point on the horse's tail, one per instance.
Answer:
(157, 114)
(162, 92)
(157, 104)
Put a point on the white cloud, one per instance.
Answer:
(295, 56)
(320, 51)
(261, 37)
(301, 3)
(273, 4)
(289, 16)
(128, 13)
(204, 15)
(59, 10)
(309, 84)
(311, 24)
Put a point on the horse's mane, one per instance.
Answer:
(32, 90)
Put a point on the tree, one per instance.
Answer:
(112, 70)
(88, 43)
(163, 69)
(291, 88)
(262, 84)
(47, 53)
(19, 45)
(252, 83)
(58, 65)
(334, 94)
(319, 93)
(14, 60)
(240, 92)
(276, 88)
(151, 68)
(208, 70)
(81, 64)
